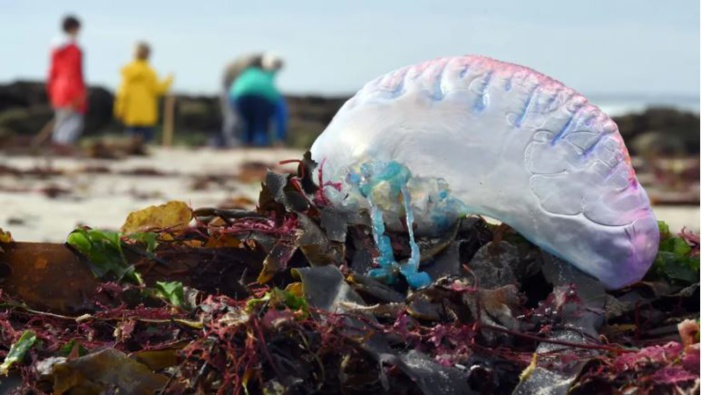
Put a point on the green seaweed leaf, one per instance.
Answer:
(172, 292)
(67, 348)
(149, 239)
(664, 230)
(18, 350)
(281, 299)
(103, 250)
(674, 260)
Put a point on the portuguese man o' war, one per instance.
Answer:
(473, 135)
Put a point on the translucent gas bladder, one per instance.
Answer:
(472, 135)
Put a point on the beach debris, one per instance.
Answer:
(113, 148)
(678, 256)
(281, 299)
(104, 254)
(5, 236)
(104, 371)
(54, 191)
(144, 171)
(172, 217)
(17, 351)
(485, 137)
(254, 171)
(237, 202)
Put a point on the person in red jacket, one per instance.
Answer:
(65, 85)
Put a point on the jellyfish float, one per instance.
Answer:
(472, 135)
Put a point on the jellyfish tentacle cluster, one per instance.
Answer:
(394, 177)
(480, 136)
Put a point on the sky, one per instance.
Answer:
(332, 47)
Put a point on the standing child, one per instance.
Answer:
(65, 86)
(136, 104)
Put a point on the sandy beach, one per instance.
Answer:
(37, 206)
(101, 193)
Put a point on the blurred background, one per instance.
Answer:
(638, 61)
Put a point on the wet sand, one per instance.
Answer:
(103, 199)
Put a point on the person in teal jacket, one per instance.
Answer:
(259, 103)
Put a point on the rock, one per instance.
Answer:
(658, 144)
(680, 126)
(99, 116)
(25, 120)
(309, 115)
(22, 94)
(494, 264)
(25, 108)
(199, 114)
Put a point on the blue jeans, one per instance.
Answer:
(145, 132)
(257, 113)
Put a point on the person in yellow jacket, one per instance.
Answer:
(136, 104)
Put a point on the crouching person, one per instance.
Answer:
(136, 103)
(259, 103)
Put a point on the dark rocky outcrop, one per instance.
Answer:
(661, 131)
(24, 109)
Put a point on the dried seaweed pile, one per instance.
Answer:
(276, 302)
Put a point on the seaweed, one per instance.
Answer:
(281, 300)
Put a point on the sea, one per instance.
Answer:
(616, 105)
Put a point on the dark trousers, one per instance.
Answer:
(145, 132)
(256, 114)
